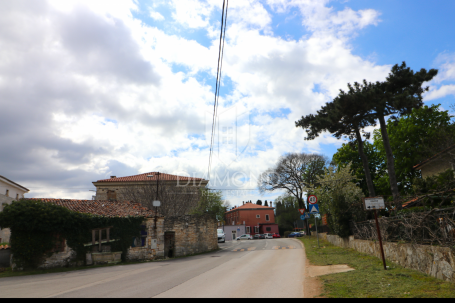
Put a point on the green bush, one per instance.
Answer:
(35, 227)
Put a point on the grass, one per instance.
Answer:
(4, 243)
(369, 279)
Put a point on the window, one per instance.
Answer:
(267, 218)
(256, 229)
(59, 244)
(248, 229)
(268, 229)
(7, 192)
(258, 216)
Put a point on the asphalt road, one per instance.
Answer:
(247, 268)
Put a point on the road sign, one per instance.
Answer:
(324, 219)
(302, 211)
(302, 217)
(374, 203)
(314, 209)
(312, 199)
(307, 215)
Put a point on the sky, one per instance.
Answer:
(92, 89)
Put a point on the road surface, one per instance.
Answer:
(247, 268)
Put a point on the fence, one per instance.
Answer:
(429, 227)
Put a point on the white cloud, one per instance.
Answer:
(443, 84)
(96, 92)
(156, 15)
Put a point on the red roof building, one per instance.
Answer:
(258, 219)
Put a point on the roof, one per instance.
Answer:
(15, 183)
(144, 177)
(433, 157)
(103, 208)
(250, 206)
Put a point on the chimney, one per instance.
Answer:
(243, 202)
(112, 177)
(270, 203)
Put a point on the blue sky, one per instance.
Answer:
(125, 87)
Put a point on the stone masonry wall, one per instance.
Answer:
(149, 252)
(193, 234)
(435, 261)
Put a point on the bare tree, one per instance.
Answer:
(295, 173)
(175, 201)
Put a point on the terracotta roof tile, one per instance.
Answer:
(103, 208)
(143, 177)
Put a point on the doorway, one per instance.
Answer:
(169, 244)
(234, 235)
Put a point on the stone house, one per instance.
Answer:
(9, 192)
(173, 237)
(115, 188)
(149, 247)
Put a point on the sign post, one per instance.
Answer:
(375, 203)
(316, 223)
(314, 209)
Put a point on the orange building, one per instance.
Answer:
(258, 219)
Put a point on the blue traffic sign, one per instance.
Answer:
(314, 209)
(307, 215)
(302, 217)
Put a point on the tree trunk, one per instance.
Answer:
(365, 164)
(390, 162)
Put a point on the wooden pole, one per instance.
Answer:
(380, 239)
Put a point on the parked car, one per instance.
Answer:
(276, 235)
(268, 236)
(302, 233)
(221, 236)
(261, 236)
(256, 236)
(245, 237)
(294, 235)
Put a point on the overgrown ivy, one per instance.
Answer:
(35, 228)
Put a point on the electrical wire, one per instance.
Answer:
(218, 81)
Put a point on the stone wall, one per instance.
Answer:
(193, 234)
(435, 261)
(154, 247)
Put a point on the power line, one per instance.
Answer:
(218, 80)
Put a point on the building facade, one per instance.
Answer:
(9, 191)
(119, 188)
(257, 219)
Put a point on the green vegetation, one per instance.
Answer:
(369, 279)
(211, 202)
(37, 227)
(4, 243)
(341, 198)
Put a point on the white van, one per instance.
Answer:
(268, 236)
